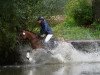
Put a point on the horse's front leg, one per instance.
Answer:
(34, 46)
(28, 56)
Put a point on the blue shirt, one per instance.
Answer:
(45, 28)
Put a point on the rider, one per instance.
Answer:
(45, 29)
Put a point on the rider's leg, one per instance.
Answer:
(48, 37)
(46, 41)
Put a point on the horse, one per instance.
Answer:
(36, 41)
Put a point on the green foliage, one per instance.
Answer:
(9, 53)
(27, 11)
(70, 22)
(96, 26)
(74, 32)
(80, 11)
(8, 34)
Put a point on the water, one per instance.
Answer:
(55, 69)
(65, 52)
(63, 60)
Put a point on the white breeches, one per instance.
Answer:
(48, 37)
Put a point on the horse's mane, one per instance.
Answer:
(33, 33)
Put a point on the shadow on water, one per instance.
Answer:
(55, 69)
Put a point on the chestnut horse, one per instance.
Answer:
(36, 41)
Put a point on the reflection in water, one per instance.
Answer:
(56, 69)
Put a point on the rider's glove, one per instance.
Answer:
(43, 35)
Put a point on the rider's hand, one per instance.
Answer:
(43, 35)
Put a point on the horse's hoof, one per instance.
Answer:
(27, 58)
(30, 59)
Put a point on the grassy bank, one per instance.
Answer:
(69, 32)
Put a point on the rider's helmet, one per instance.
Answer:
(40, 18)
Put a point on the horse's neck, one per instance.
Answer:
(32, 36)
(35, 42)
(34, 39)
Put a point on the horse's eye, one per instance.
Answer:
(23, 33)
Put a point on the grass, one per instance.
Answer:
(74, 32)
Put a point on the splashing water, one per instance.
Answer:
(65, 52)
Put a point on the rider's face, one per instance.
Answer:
(39, 21)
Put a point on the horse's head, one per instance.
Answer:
(31, 37)
(28, 35)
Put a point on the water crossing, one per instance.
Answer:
(63, 53)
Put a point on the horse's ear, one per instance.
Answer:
(23, 31)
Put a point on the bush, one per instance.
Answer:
(80, 11)
(96, 25)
